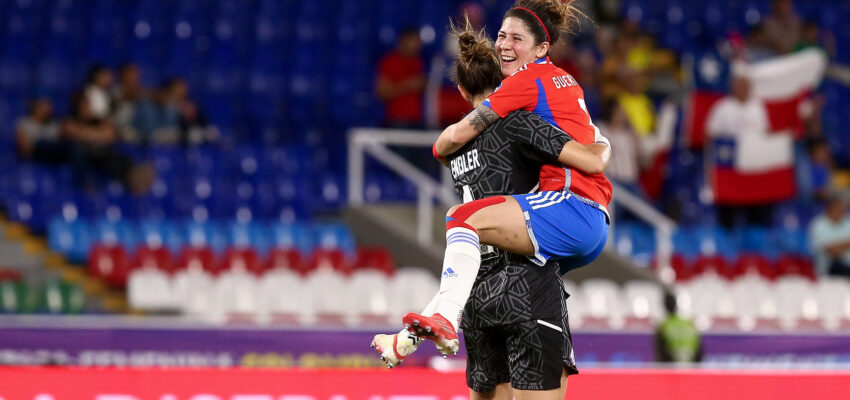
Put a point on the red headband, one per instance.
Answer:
(546, 31)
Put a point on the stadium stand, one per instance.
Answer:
(228, 230)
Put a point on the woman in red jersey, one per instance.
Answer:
(567, 218)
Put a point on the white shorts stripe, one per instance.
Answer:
(546, 324)
(545, 198)
(534, 196)
(552, 202)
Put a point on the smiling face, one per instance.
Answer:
(516, 47)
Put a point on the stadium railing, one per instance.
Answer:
(374, 142)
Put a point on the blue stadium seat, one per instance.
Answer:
(793, 241)
(155, 233)
(209, 234)
(686, 241)
(255, 235)
(113, 233)
(71, 238)
(635, 240)
(292, 236)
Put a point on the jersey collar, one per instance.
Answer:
(544, 60)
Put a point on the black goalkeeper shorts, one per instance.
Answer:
(530, 355)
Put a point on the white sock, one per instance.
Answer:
(431, 308)
(460, 268)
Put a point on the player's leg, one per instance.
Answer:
(487, 369)
(545, 225)
(554, 394)
(563, 391)
(503, 225)
(495, 216)
(503, 391)
(394, 348)
(536, 351)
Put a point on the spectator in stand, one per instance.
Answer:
(38, 135)
(829, 234)
(91, 142)
(809, 37)
(126, 95)
(624, 166)
(97, 91)
(635, 103)
(677, 339)
(738, 115)
(821, 169)
(613, 62)
(443, 103)
(195, 129)
(565, 56)
(783, 26)
(759, 46)
(157, 120)
(401, 82)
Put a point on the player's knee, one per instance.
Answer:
(452, 210)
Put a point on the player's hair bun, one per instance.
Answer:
(474, 47)
(477, 66)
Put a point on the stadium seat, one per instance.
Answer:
(330, 260)
(681, 267)
(198, 258)
(69, 238)
(370, 300)
(57, 296)
(284, 298)
(243, 259)
(796, 298)
(411, 288)
(753, 263)
(193, 290)
(645, 303)
(331, 296)
(237, 296)
(15, 297)
(604, 304)
(710, 264)
(793, 264)
(154, 257)
(333, 236)
(292, 236)
(376, 258)
(755, 304)
(700, 298)
(833, 302)
(287, 259)
(109, 263)
(151, 289)
(156, 233)
(575, 304)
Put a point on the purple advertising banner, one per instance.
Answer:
(141, 345)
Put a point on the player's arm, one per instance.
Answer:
(460, 133)
(551, 145)
(517, 92)
(589, 158)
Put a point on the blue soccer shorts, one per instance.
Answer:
(564, 227)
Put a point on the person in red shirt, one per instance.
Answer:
(567, 219)
(401, 82)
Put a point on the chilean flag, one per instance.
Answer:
(782, 83)
(753, 169)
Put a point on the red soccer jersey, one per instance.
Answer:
(554, 95)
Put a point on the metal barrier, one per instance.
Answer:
(374, 142)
